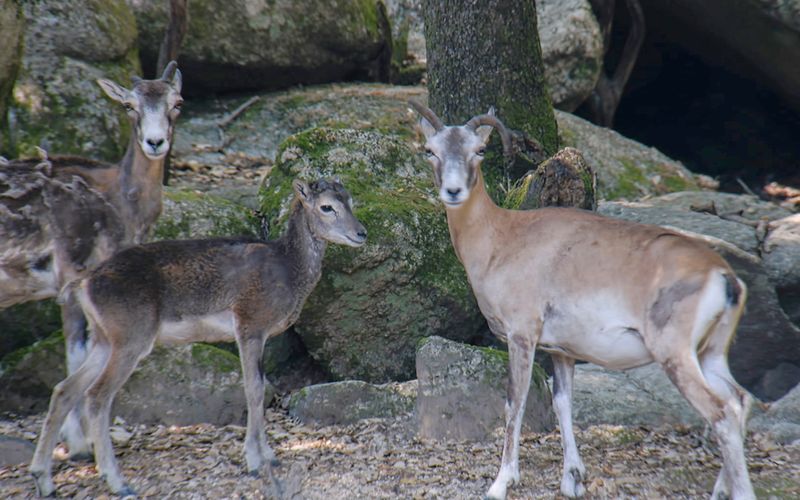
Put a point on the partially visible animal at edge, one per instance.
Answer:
(212, 290)
(586, 287)
(61, 216)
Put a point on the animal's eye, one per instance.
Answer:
(128, 106)
(428, 152)
(178, 105)
(326, 208)
(481, 152)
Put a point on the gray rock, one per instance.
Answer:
(12, 26)
(646, 212)
(781, 253)
(625, 168)
(572, 50)
(15, 451)
(462, 392)
(778, 381)
(640, 396)
(186, 385)
(766, 336)
(56, 103)
(782, 420)
(747, 206)
(373, 304)
(346, 402)
(172, 386)
(254, 44)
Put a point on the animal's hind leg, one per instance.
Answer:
(65, 396)
(76, 338)
(714, 365)
(122, 361)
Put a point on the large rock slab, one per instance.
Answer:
(186, 385)
(462, 392)
(347, 402)
(373, 304)
(176, 386)
(235, 45)
(56, 103)
(12, 27)
(639, 396)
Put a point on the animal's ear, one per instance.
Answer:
(484, 131)
(114, 91)
(302, 190)
(427, 129)
(177, 81)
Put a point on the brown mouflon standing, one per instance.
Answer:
(209, 290)
(61, 216)
(582, 286)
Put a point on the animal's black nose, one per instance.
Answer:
(362, 234)
(453, 192)
(155, 143)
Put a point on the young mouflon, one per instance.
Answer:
(207, 290)
(586, 287)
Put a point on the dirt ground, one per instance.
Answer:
(377, 459)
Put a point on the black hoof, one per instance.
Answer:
(253, 473)
(83, 456)
(275, 462)
(126, 491)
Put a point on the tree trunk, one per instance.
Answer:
(487, 53)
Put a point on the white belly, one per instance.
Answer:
(217, 327)
(599, 330)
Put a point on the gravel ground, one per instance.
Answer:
(383, 459)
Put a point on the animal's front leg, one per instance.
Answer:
(520, 356)
(574, 471)
(256, 449)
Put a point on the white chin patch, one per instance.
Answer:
(157, 155)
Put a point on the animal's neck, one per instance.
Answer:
(471, 227)
(139, 194)
(304, 249)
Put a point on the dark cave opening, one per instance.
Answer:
(715, 121)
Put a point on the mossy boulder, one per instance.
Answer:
(254, 44)
(462, 392)
(346, 402)
(12, 27)
(188, 214)
(625, 168)
(26, 323)
(172, 386)
(56, 103)
(373, 304)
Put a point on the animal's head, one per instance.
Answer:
(456, 152)
(153, 106)
(330, 212)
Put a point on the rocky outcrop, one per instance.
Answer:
(346, 402)
(781, 254)
(235, 45)
(782, 420)
(462, 392)
(56, 103)
(189, 214)
(12, 27)
(625, 168)
(374, 304)
(175, 386)
(639, 396)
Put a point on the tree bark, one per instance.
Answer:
(487, 53)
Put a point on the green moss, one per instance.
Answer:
(629, 184)
(53, 342)
(517, 194)
(215, 358)
(188, 214)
